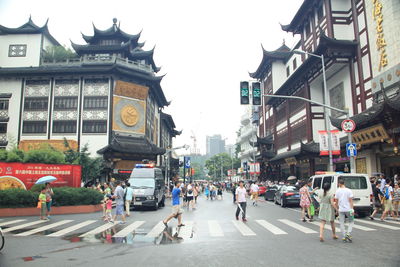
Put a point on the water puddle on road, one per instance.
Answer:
(138, 238)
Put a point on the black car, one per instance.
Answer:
(270, 193)
(287, 195)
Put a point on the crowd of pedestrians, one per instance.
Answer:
(386, 197)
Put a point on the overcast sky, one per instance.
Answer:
(205, 47)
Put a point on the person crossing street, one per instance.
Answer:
(176, 206)
(241, 193)
(254, 193)
(344, 203)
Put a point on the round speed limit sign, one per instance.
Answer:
(348, 126)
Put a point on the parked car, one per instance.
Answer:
(270, 193)
(287, 195)
(261, 189)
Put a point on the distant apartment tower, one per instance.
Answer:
(215, 145)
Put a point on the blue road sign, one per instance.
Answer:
(187, 162)
(351, 149)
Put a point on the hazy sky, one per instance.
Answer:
(205, 47)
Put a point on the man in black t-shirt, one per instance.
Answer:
(376, 191)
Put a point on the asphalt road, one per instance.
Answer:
(273, 236)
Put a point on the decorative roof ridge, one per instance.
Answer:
(292, 26)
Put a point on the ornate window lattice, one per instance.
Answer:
(17, 50)
(34, 127)
(94, 127)
(64, 103)
(95, 102)
(64, 127)
(36, 103)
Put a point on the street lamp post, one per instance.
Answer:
(167, 161)
(327, 112)
(347, 112)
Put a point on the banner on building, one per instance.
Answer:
(323, 143)
(24, 175)
(254, 168)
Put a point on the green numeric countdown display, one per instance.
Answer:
(244, 93)
(256, 87)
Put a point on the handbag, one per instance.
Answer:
(39, 205)
(311, 210)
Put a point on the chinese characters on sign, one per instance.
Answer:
(380, 39)
(323, 143)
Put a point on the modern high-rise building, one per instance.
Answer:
(215, 145)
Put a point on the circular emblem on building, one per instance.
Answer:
(129, 115)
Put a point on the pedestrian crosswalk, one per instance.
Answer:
(211, 228)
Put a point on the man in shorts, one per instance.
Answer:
(119, 200)
(176, 206)
(254, 193)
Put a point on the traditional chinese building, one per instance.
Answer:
(108, 97)
(352, 46)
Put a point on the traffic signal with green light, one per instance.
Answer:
(256, 93)
(244, 93)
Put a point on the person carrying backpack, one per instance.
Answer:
(387, 196)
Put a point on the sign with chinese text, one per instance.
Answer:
(24, 175)
(323, 143)
(254, 168)
(380, 39)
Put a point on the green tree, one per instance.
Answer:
(58, 53)
(223, 160)
(91, 167)
(46, 154)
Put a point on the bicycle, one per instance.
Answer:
(2, 240)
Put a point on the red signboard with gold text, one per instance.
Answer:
(24, 175)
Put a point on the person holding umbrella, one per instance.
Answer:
(49, 200)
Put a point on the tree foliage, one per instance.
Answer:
(214, 165)
(58, 53)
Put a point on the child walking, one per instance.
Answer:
(108, 216)
(42, 204)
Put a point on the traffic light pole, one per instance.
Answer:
(352, 161)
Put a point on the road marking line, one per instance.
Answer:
(360, 227)
(185, 232)
(23, 226)
(379, 224)
(243, 229)
(327, 226)
(129, 229)
(389, 221)
(11, 222)
(43, 228)
(270, 227)
(99, 229)
(214, 228)
(298, 226)
(294, 210)
(157, 230)
(72, 228)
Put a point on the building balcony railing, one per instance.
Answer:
(3, 115)
(99, 60)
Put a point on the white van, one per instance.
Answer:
(358, 183)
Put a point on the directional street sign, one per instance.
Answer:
(187, 162)
(348, 126)
(351, 149)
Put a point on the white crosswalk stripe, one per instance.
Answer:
(185, 232)
(327, 226)
(72, 228)
(21, 226)
(157, 230)
(129, 229)
(99, 229)
(44, 228)
(390, 221)
(214, 228)
(298, 226)
(243, 229)
(379, 224)
(270, 227)
(11, 222)
(360, 227)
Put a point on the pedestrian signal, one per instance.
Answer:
(256, 93)
(244, 93)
